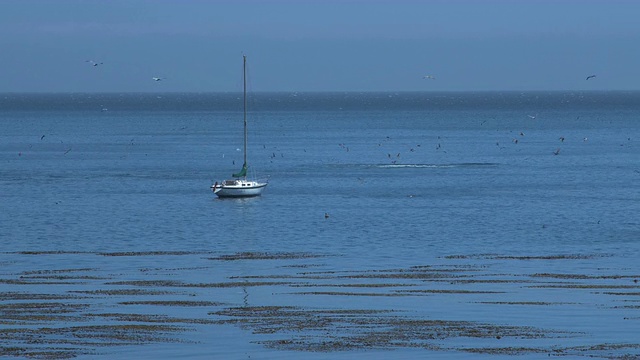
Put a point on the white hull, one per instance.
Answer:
(238, 188)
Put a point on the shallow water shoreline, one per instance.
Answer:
(299, 302)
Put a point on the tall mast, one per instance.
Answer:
(244, 79)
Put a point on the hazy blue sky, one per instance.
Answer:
(313, 45)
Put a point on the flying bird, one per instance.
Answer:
(429, 77)
(590, 77)
(157, 78)
(93, 63)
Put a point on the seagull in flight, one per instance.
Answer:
(93, 63)
(157, 78)
(429, 77)
(590, 77)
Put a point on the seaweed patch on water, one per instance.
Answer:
(154, 297)
(418, 273)
(365, 285)
(124, 292)
(43, 329)
(48, 353)
(412, 273)
(584, 286)
(339, 330)
(62, 341)
(604, 351)
(535, 303)
(62, 277)
(40, 307)
(441, 291)
(180, 284)
(583, 276)
(266, 256)
(6, 296)
(302, 266)
(350, 293)
(151, 318)
(527, 257)
(511, 351)
(58, 271)
(52, 252)
(491, 281)
(27, 281)
(173, 303)
(24, 313)
(635, 293)
(95, 335)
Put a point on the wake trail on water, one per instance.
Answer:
(432, 166)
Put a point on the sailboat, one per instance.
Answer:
(240, 186)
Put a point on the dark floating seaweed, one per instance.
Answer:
(528, 257)
(74, 323)
(266, 256)
(180, 284)
(172, 303)
(339, 330)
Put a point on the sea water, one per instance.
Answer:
(510, 186)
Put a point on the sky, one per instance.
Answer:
(318, 45)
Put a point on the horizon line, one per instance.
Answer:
(319, 91)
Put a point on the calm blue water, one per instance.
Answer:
(407, 179)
